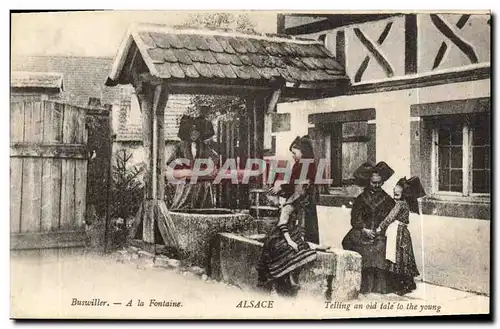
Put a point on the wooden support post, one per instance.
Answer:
(224, 156)
(146, 102)
(153, 99)
(145, 97)
(218, 187)
(232, 151)
(258, 118)
(250, 106)
(243, 154)
(159, 104)
(227, 152)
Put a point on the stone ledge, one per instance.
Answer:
(460, 208)
(336, 274)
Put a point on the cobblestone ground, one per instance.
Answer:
(47, 288)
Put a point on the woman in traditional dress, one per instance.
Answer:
(370, 208)
(285, 250)
(193, 133)
(401, 263)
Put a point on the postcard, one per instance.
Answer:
(250, 164)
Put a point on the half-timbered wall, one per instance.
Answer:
(450, 41)
(409, 44)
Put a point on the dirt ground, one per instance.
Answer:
(55, 286)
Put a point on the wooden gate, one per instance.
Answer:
(48, 175)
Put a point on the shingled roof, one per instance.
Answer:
(45, 80)
(83, 76)
(197, 54)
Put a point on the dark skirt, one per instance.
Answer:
(311, 223)
(279, 259)
(374, 275)
(403, 272)
(375, 280)
(371, 251)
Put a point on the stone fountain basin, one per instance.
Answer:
(335, 275)
(197, 230)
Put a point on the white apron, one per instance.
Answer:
(391, 234)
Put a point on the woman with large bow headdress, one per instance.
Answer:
(370, 208)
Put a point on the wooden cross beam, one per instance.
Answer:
(375, 51)
(449, 33)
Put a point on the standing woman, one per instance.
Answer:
(401, 265)
(193, 133)
(370, 208)
(285, 249)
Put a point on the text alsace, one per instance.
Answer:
(255, 304)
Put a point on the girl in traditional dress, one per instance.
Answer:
(401, 263)
(370, 208)
(285, 250)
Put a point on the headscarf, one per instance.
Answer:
(412, 190)
(363, 174)
(203, 125)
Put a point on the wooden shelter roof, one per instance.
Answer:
(44, 80)
(236, 58)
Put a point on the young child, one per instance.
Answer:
(401, 263)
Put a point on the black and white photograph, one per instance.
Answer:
(251, 165)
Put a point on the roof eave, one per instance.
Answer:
(120, 58)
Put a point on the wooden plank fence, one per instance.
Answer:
(48, 175)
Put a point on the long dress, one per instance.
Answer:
(310, 216)
(369, 209)
(402, 268)
(278, 259)
(187, 195)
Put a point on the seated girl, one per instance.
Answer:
(285, 250)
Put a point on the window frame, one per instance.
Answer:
(467, 154)
(363, 139)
